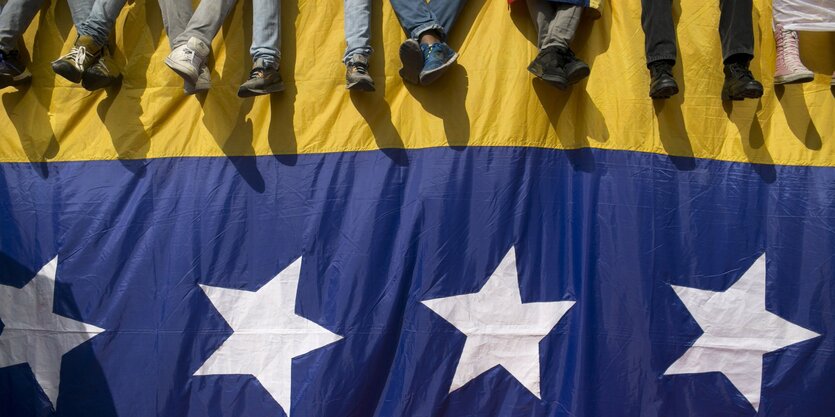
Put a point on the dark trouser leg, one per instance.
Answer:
(736, 28)
(660, 33)
(446, 12)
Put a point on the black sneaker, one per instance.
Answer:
(575, 69)
(740, 83)
(662, 85)
(411, 57)
(12, 70)
(548, 66)
(102, 74)
(263, 79)
(356, 74)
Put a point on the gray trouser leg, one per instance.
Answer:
(357, 28)
(206, 21)
(100, 21)
(15, 17)
(175, 17)
(266, 30)
(556, 23)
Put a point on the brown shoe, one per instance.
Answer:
(83, 55)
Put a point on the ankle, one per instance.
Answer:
(430, 37)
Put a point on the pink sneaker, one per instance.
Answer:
(789, 68)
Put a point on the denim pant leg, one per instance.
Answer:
(357, 28)
(659, 30)
(206, 21)
(266, 31)
(736, 28)
(415, 17)
(175, 17)
(446, 12)
(100, 22)
(556, 24)
(80, 11)
(15, 17)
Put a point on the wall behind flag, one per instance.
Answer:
(489, 100)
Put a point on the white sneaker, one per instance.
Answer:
(186, 60)
(204, 82)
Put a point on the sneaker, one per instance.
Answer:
(187, 59)
(356, 75)
(83, 55)
(790, 69)
(575, 69)
(548, 66)
(662, 85)
(264, 78)
(204, 82)
(740, 83)
(437, 58)
(12, 70)
(102, 74)
(411, 57)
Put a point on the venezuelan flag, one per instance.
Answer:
(486, 246)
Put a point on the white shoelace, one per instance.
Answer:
(788, 42)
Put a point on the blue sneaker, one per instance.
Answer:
(12, 70)
(437, 58)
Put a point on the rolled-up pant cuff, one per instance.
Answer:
(415, 33)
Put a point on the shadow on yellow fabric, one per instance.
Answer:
(488, 100)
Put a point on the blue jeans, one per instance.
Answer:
(266, 31)
(15, 17)
(182, 21)
(418, 16)
(95, 18)
(357, 28)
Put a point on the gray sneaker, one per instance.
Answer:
(263, 79)
(204, 82)
(356, 76)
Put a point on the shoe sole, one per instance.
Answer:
(196, 88)
(578, 75)
(93, 82)
(182, 70)
(751, 93)
(429, 77)
(7, 80)
(67, 71)
(556, 81)
(246, 92)
(360, 86)
(412, 59)
(794, 79)
(664, 93)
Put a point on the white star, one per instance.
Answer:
(738, 331)
(500, 329)
(34, 334)
(267, 333)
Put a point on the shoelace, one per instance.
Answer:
(256, 73)
(740, 71)
(190, 54)
(789, 44)
(360, 68)
(660, 69)
(77, 54)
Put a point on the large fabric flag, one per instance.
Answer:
(486, 246)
